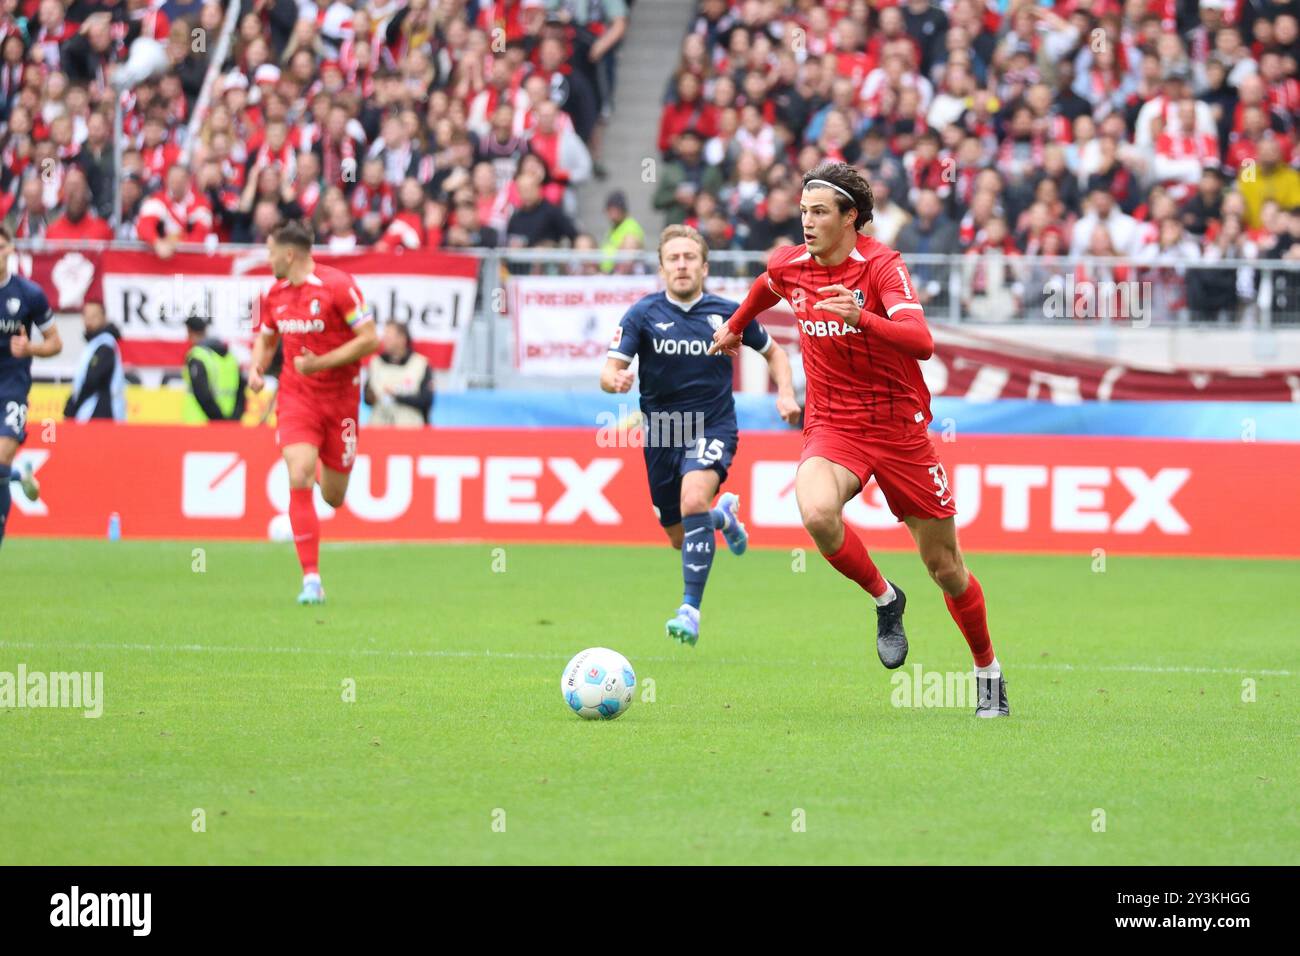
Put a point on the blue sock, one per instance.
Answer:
(5, 499)
(719, 518)
(697, 555)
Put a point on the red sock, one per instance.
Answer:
(306, 528)
(852, 561)
(967, 609)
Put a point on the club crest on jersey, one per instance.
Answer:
(859, 299)
(715, 322)
(315, 307)
(13, 305)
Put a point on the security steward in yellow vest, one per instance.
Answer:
(212, 378)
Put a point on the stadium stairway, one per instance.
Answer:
(646, 61)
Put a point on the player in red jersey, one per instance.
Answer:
(327, 330)
(862, 333)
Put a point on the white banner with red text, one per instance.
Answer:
(564, 324)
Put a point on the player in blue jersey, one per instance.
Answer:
(688, 412)
(22, 306)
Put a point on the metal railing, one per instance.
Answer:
(1256, 295)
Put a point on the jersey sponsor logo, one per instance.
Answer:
(907, 289)
(10, 325)
(821, 328)
(301, 325)
(664, 326)
(681, 346)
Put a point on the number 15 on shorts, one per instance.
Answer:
(708, 452)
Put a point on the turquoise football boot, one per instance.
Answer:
(684, 628)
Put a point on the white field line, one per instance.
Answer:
(512, 655)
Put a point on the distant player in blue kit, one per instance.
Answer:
(22, 306)
(688, 412)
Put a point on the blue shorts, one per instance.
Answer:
(13, 417)
(665, 466)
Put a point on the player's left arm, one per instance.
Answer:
(761, 297)
(778, 366)
(365, 339)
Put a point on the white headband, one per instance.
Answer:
(822, 182)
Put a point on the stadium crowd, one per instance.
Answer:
(390, 123)
(1162, 131)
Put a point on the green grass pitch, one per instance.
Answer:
(773, 741)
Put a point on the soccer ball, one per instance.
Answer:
(598, 684)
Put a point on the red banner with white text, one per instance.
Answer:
(149, 298)
(1040, 493)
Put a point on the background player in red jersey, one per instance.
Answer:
(862, 333)
(319, 313)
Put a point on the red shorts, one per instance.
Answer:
(906, 467)
(327, 422)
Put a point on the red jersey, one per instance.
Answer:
(856, 379)
(319, 316)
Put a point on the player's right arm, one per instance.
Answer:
(762, 296)
(265, 339)
(51, 344)
(615, 376)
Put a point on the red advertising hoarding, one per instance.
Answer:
(1062, 494)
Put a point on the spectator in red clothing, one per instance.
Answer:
(158, 153)
(175, 214)
(373, 201)
(1245, 145)
(1182, 154)
(54, 31)
(563, 152)
(687, 111)
(145, 18)
(406, 230)
(78, 221)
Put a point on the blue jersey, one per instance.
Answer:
(671, 339)
(22, 305)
